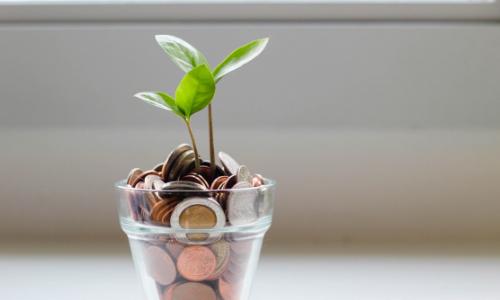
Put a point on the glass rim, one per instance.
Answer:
(123, 186)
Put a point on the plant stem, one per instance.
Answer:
(211, 138)
(196, 157)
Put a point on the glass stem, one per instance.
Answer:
(196, 157)
(211, 139)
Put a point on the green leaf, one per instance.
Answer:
(161, 100)
(240, 57)
(195, 91)
(181, 52)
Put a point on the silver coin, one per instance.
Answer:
(149, 180)
(210, 203)
(243, 174)
(241, 204)
(230, 164)
(158, 184)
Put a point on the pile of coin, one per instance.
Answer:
(195, 272)
(196, 260)
(183, 196)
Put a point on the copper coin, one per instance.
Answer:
(222, 251)
(190, 291)
(196, 263)
(159, 265)
(161, 212)
(171, 158)
(259, 178)
(167, 214)
(205, 172)
(168, 292)
(133, 174)
(142, 176)
(230, 164)
(155, 210)
(227, 291)
(218, 182)
(151, 198)
(158, 167)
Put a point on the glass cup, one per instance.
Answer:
(214, 257)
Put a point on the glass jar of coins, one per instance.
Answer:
(195, 232)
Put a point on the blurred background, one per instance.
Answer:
(379, 120)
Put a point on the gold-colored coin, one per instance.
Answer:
(198, 216)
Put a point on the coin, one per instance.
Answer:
(187, 166)
(243, 174)
(158, 167)
(196, 178)
(162, 211)
(149, 179)
(171, 158)
(142, 176)
(231, 181)
(206, 171)
(190, 291)
(230, 164)
(133, 174)
(218, 182)
(175, 188)
(197, 216)
(160, 265)
(158, 184)
(241, 204)
(168, 292)
(257, 180)
(196, 263)
(185, 159)
(221, 249)
(197, 213)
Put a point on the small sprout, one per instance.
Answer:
(196, 90)
(194, 93)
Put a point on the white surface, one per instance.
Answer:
(355, 273)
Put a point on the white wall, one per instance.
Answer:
(373, 131)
